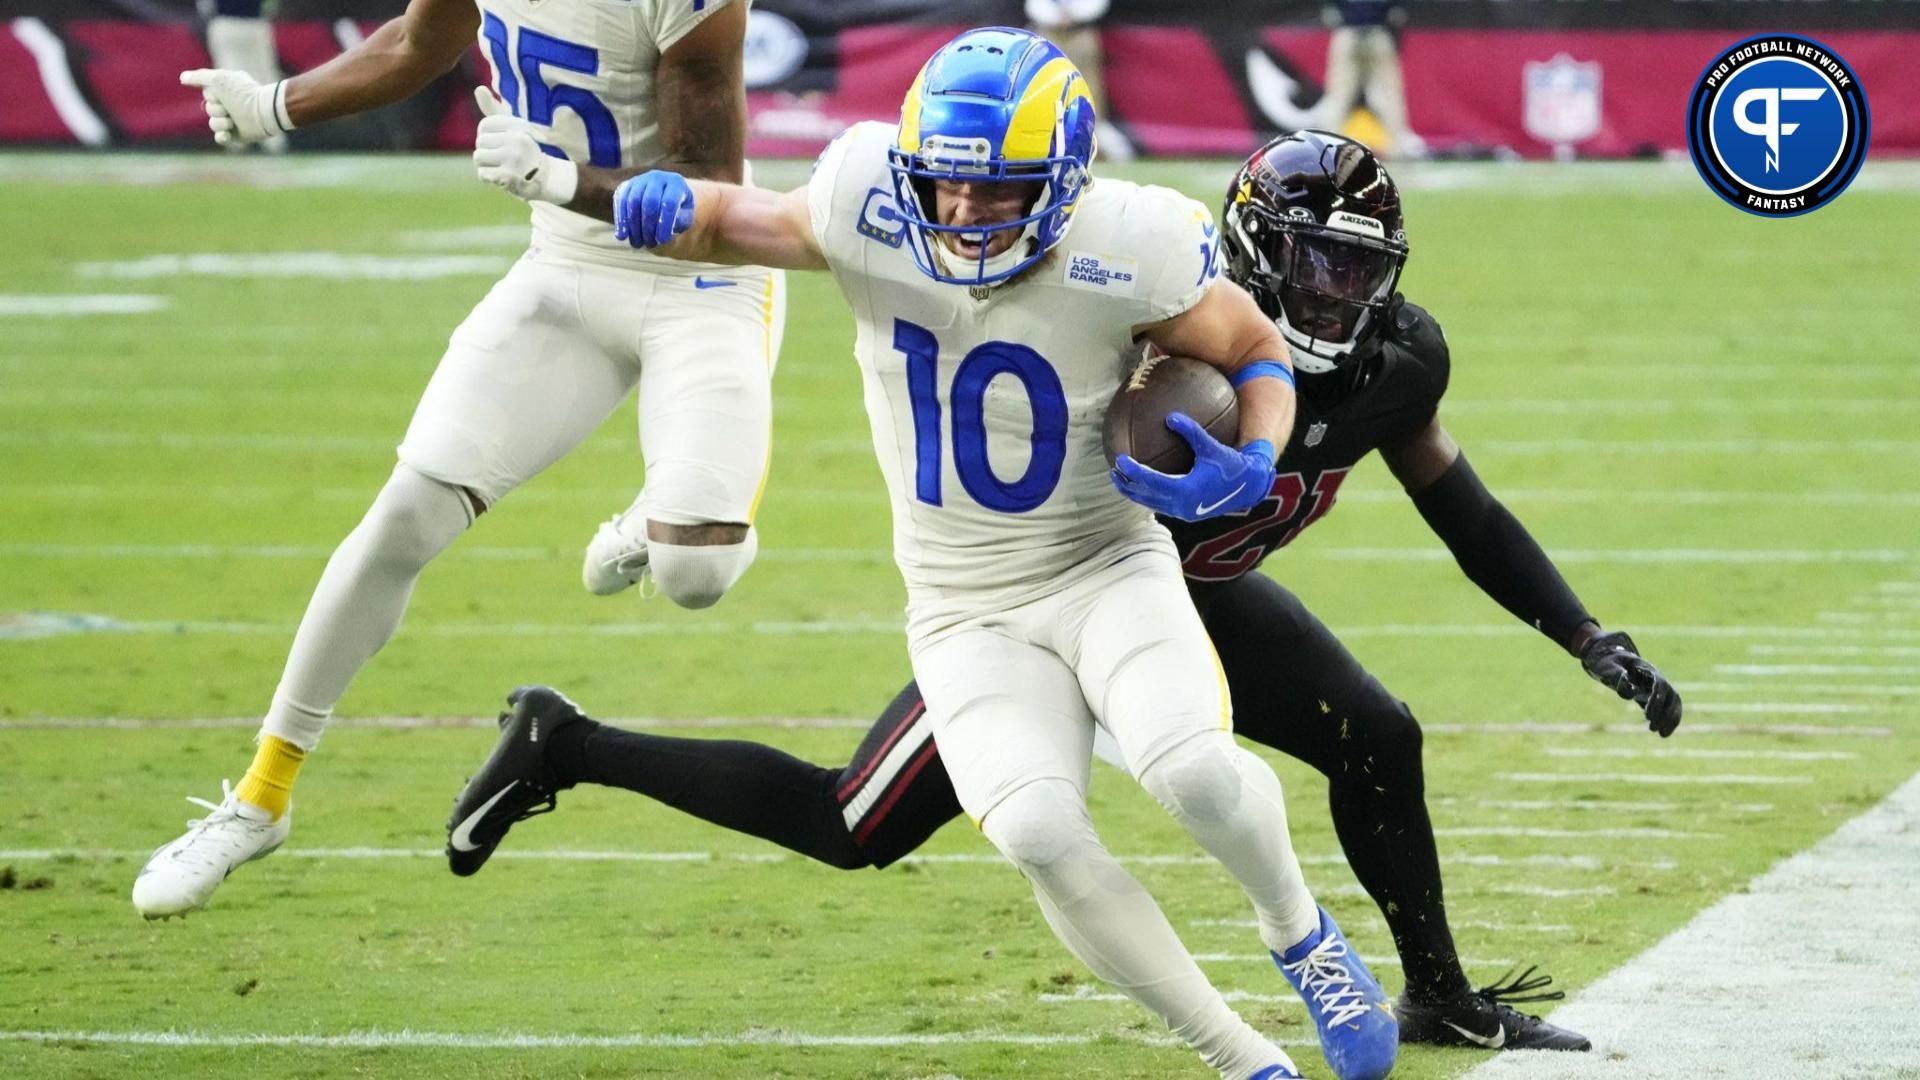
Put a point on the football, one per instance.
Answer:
(1161, 385)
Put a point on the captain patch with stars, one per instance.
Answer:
(1778, 125)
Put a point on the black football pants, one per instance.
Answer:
(1295, 688)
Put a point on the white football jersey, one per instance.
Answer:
(584, 71)
(987, 405)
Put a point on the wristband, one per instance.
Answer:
(278, 111)
(1261, 447)
(1262, 369)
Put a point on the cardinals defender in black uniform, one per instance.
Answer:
(1312, 228)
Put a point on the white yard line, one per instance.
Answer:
(328, 265)
(970, 858)
(79, 305)
(1640, 556)
(1767, 671)
(1518, 832)
(126, 723)
(1828, 955)
(1608, 806)
(1820, 688)
(374, 1040)
(1709, 780)
(407, 723)
(1372, 960)
(1803, 708)
(1424, 554)
(1709, 755)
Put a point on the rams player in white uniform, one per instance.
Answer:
(585, 94)
(1001, 296)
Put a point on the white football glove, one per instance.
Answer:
(239, 108)
(506, 155)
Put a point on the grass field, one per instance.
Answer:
(1707, 417)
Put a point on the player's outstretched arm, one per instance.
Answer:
(393, 63)
(704, 221)
(701, 102)
(1498, 554)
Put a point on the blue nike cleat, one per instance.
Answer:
(1275, 1072)
(1358, 1034)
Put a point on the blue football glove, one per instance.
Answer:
(651, 209)
(1223, 480)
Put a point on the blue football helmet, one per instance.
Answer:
(993, 105)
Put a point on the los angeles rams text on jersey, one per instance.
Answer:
(986, 404)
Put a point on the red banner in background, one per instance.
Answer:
(1179, 92)
(1209, 89)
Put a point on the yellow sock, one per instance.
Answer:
(269, 780)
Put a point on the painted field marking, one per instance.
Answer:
(1519, 832)
(1742, 447)
(1675, 497)
(1803, 708)
(1606, 806)
(1709, 755)
(378, 1040)
(121, 723)
(268, 493)
(1828, 953)
(1768, 671)
(1084, 994)
(1565, 862)
(1715, 779)
(1372, 959)
(1710, 406)
(1635, 557)
(1653, 556)
(329, 265)
(79, 305)
(1821, 688)
(1377, 924)
(1541, 728)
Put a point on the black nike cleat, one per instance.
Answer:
(1483, 1018)
(514, 783)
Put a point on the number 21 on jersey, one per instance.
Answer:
(967, 397)
(536, 53)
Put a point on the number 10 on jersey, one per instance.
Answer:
(968, 399)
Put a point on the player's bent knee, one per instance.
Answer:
(415, 517)
(1392, 746)
(1198, 780)
(1038, 825)
(698, 575)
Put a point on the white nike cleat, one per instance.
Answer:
(617, 556)
(181, 876)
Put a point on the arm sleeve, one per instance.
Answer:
(672, 20)
(1185, 247)
(1498, 554)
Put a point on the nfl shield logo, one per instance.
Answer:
(1315, 433)
(1562, 99)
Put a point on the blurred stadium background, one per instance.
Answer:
(206, 358)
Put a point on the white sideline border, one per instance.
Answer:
(1805, 1000)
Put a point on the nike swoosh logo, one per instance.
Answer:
(712, 283)
(1205, 510)
(462, 838)
(1493, 1042)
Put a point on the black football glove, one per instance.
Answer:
(1615, 662)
